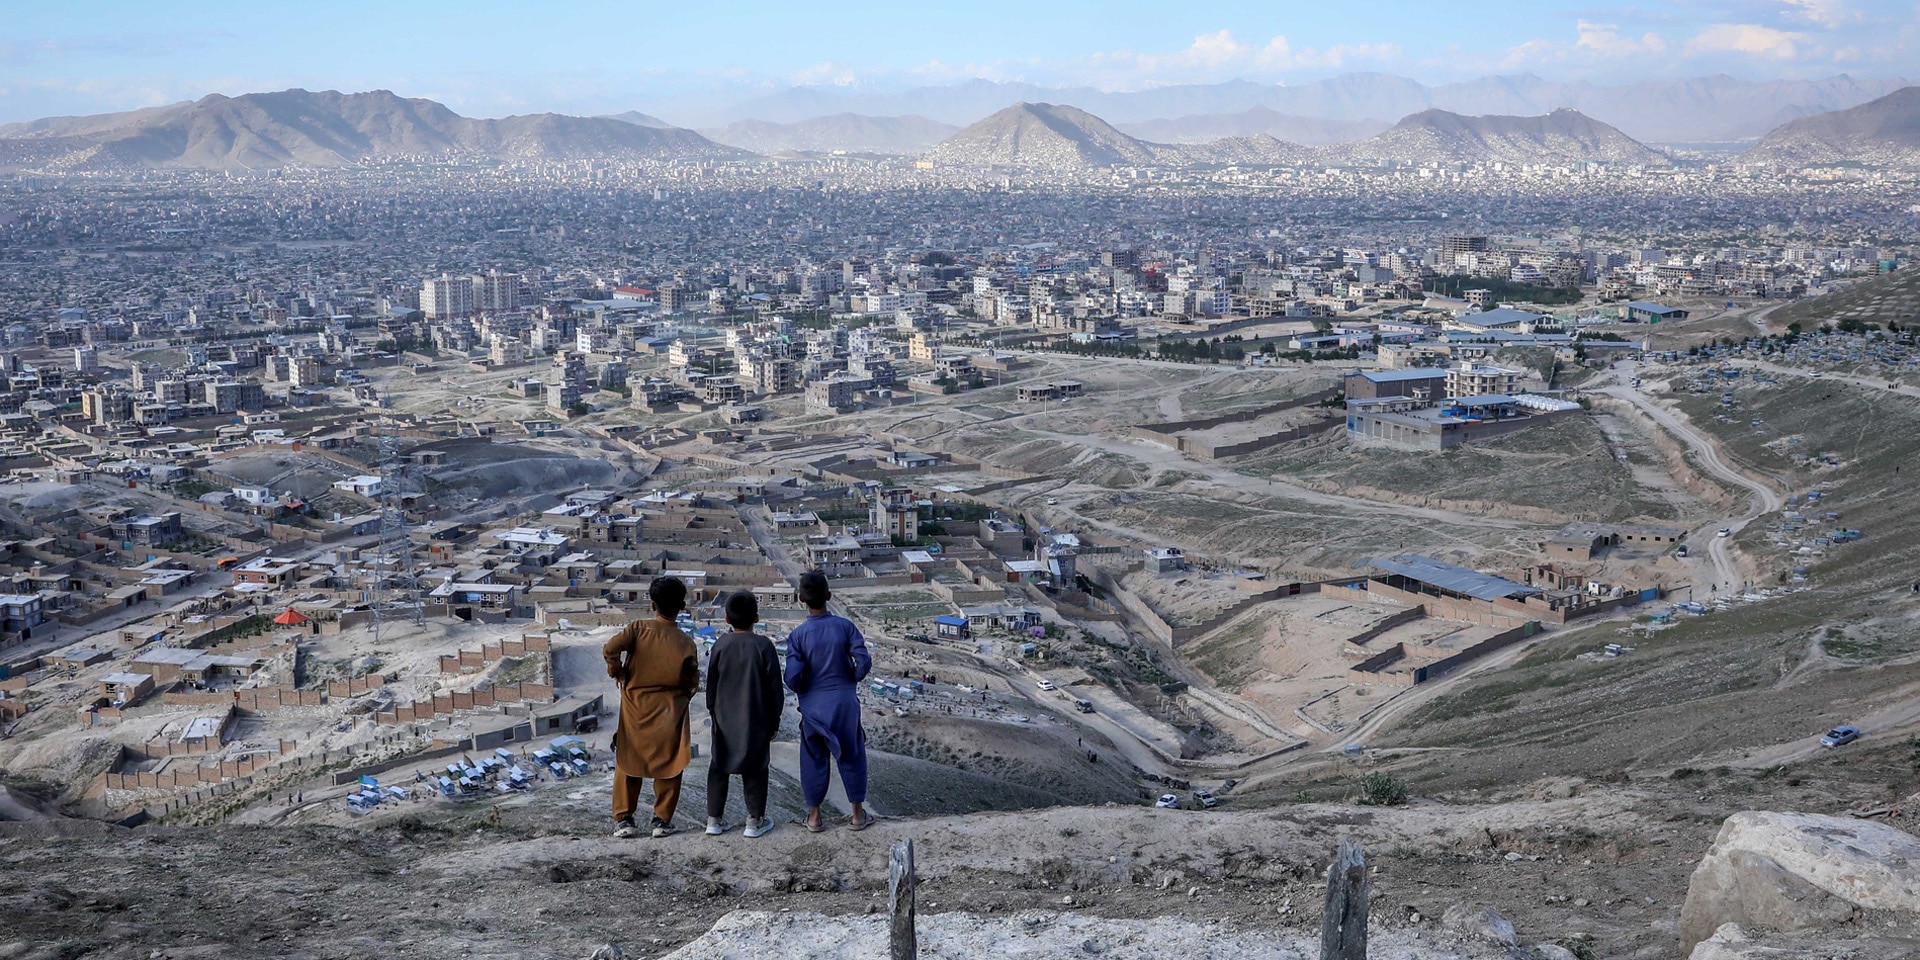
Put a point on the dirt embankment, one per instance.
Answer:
(519, 882)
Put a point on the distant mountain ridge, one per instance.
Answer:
(1885, 131)
(1043, 135)
(1696, 109)
(1563, 136)
(851, 132)
(327, 129)
(1291, 128)
(1064, 138)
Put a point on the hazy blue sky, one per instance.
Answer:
(493, 58)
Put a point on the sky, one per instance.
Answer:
(488, 58)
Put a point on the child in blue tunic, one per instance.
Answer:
(826, 660)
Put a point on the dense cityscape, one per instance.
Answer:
(1490, 527)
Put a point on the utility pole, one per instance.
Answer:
(395, 593)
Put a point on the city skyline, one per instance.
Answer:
(501, 58)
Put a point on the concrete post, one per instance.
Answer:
(901, 886)
(1343, 928)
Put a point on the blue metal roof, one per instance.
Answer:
(1446, 576)
(1500, 315)
(951, 621)
(1651, 307)
(1397, 376)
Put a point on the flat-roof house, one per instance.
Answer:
(365, 485)
(125, 689)
(949, 627)
(1165, 560)
(21, 612)
(271, 571)
(834, 556)
(491, 596)
(253, 496)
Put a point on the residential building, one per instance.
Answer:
(446, 296)
(1474, 380)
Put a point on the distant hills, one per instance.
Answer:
(1054, 137)
(841, 131)
(1043, 135)
(639, 119)
(326, 129)
(1292, 128)
(1694, 110)
(1885, 131)
(1563, 136)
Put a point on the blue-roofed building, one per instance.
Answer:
(950, 627)
(1501, 318)
(1642, 311)
(1417, 574)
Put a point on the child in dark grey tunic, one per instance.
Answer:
(745, 699)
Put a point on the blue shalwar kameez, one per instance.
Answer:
(826, 660)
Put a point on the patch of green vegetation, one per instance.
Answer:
(1382, 789)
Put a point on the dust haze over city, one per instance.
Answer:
(1412, 482)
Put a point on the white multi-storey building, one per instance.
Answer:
(446, 296)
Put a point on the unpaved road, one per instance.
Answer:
(1766, 499)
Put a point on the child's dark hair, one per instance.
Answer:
(813, 590)
(669, 595)
(743, 610)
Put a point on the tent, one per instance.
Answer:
(290, 618)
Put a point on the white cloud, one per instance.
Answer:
(826, 74)
(1606, 40)
(1748, 38)
(1826, 13)
(1216, 56)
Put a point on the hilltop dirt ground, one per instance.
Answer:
(1599, 868)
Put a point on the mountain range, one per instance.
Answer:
(298, 127)
(1054, 137)
(326, 129)
(1292, 128)
(850, 132)
(1563, 136)
(1881, 132)
(1694, 110)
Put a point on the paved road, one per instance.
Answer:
(1766, 499)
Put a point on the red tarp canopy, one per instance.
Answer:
(291, 618)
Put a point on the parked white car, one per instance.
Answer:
(1167, 801)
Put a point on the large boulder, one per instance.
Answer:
(1798, 871)
(1732, 943)
(1480, 923)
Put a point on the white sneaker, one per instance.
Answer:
(758, 827)
(625, 830)
(717, 826)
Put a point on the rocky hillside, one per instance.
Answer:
(326, 129)
(1560, 137)
(851, 132)
(1043, 135)
(1062, 138)
(1883, 132)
